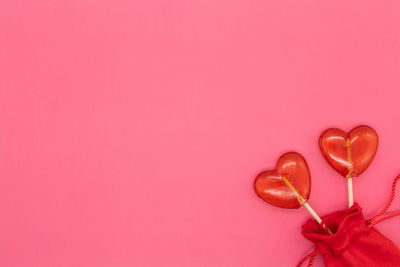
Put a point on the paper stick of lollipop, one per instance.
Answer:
(288, 186)
(350, 153)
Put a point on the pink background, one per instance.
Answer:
(131, 131)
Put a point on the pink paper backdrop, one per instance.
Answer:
(131, 131)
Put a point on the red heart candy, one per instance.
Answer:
(351, 153)
(272, 188)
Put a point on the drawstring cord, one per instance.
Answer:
(310, 257)
(371, 222)
(377, 218)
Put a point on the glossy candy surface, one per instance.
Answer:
(270, 186)
(350, 153)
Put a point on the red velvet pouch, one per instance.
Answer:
(355, 242)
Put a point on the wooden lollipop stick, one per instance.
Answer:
(305, 204)
(349, 171)
(312, 212)
(350, 191)
(316, 217)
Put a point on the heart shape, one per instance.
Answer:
(274, 187)
(350, 153)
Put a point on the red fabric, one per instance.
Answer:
(354, 242)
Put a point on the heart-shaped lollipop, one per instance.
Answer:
(350, 153)
(288, 186)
